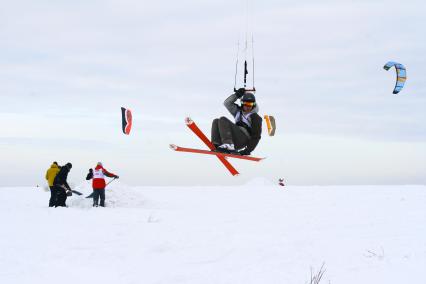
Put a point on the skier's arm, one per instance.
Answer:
(108, 174)
(256, 132)
(65, 183)
(47, 175)
(230, 104)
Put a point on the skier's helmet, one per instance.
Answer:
(248, 99)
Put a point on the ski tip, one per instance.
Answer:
(188, 120)
(173, 147)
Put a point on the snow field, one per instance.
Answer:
(256, 233)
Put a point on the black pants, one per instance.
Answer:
(61, 196)
(225, 131)
(52, 200)
(96, 194)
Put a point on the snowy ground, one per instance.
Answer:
(258, 233)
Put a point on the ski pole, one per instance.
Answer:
(110, 182)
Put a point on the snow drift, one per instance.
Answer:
(257, 233)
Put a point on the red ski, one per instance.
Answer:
(199, 151)
(191, 125)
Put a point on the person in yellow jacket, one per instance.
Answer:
(50, 177)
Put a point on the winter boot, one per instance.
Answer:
(227, 148)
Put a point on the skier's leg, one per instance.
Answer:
(64, 203)
(225, 130)
(56, 200)
(102, 195)
(215, 138)
(239, 138)
(95, 197)
(61, 197)
(52, 199)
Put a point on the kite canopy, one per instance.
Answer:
(270, 123)
(126, 120)
(401, 75)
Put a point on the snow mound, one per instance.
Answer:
(123, 196)
(116, 195)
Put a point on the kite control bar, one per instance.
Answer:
(247, 90)
(245, 78)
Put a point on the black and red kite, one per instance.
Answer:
(126, 121)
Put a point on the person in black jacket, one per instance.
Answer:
(243, 136)
(61, 185)
(89, 175)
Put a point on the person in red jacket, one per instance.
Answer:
(98, 183)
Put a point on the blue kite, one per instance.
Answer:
(401, 75)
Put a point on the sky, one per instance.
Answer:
(66, 68)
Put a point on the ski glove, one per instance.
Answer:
(240, 92)
(245, 152)
(116, 177)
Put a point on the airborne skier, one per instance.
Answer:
(243, 136)
(233, 140)
(249, 142)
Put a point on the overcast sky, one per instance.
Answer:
(66, 68)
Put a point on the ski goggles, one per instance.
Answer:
(248, 104)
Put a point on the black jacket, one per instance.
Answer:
(61, 178)
(255, 130)
(89, 175)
